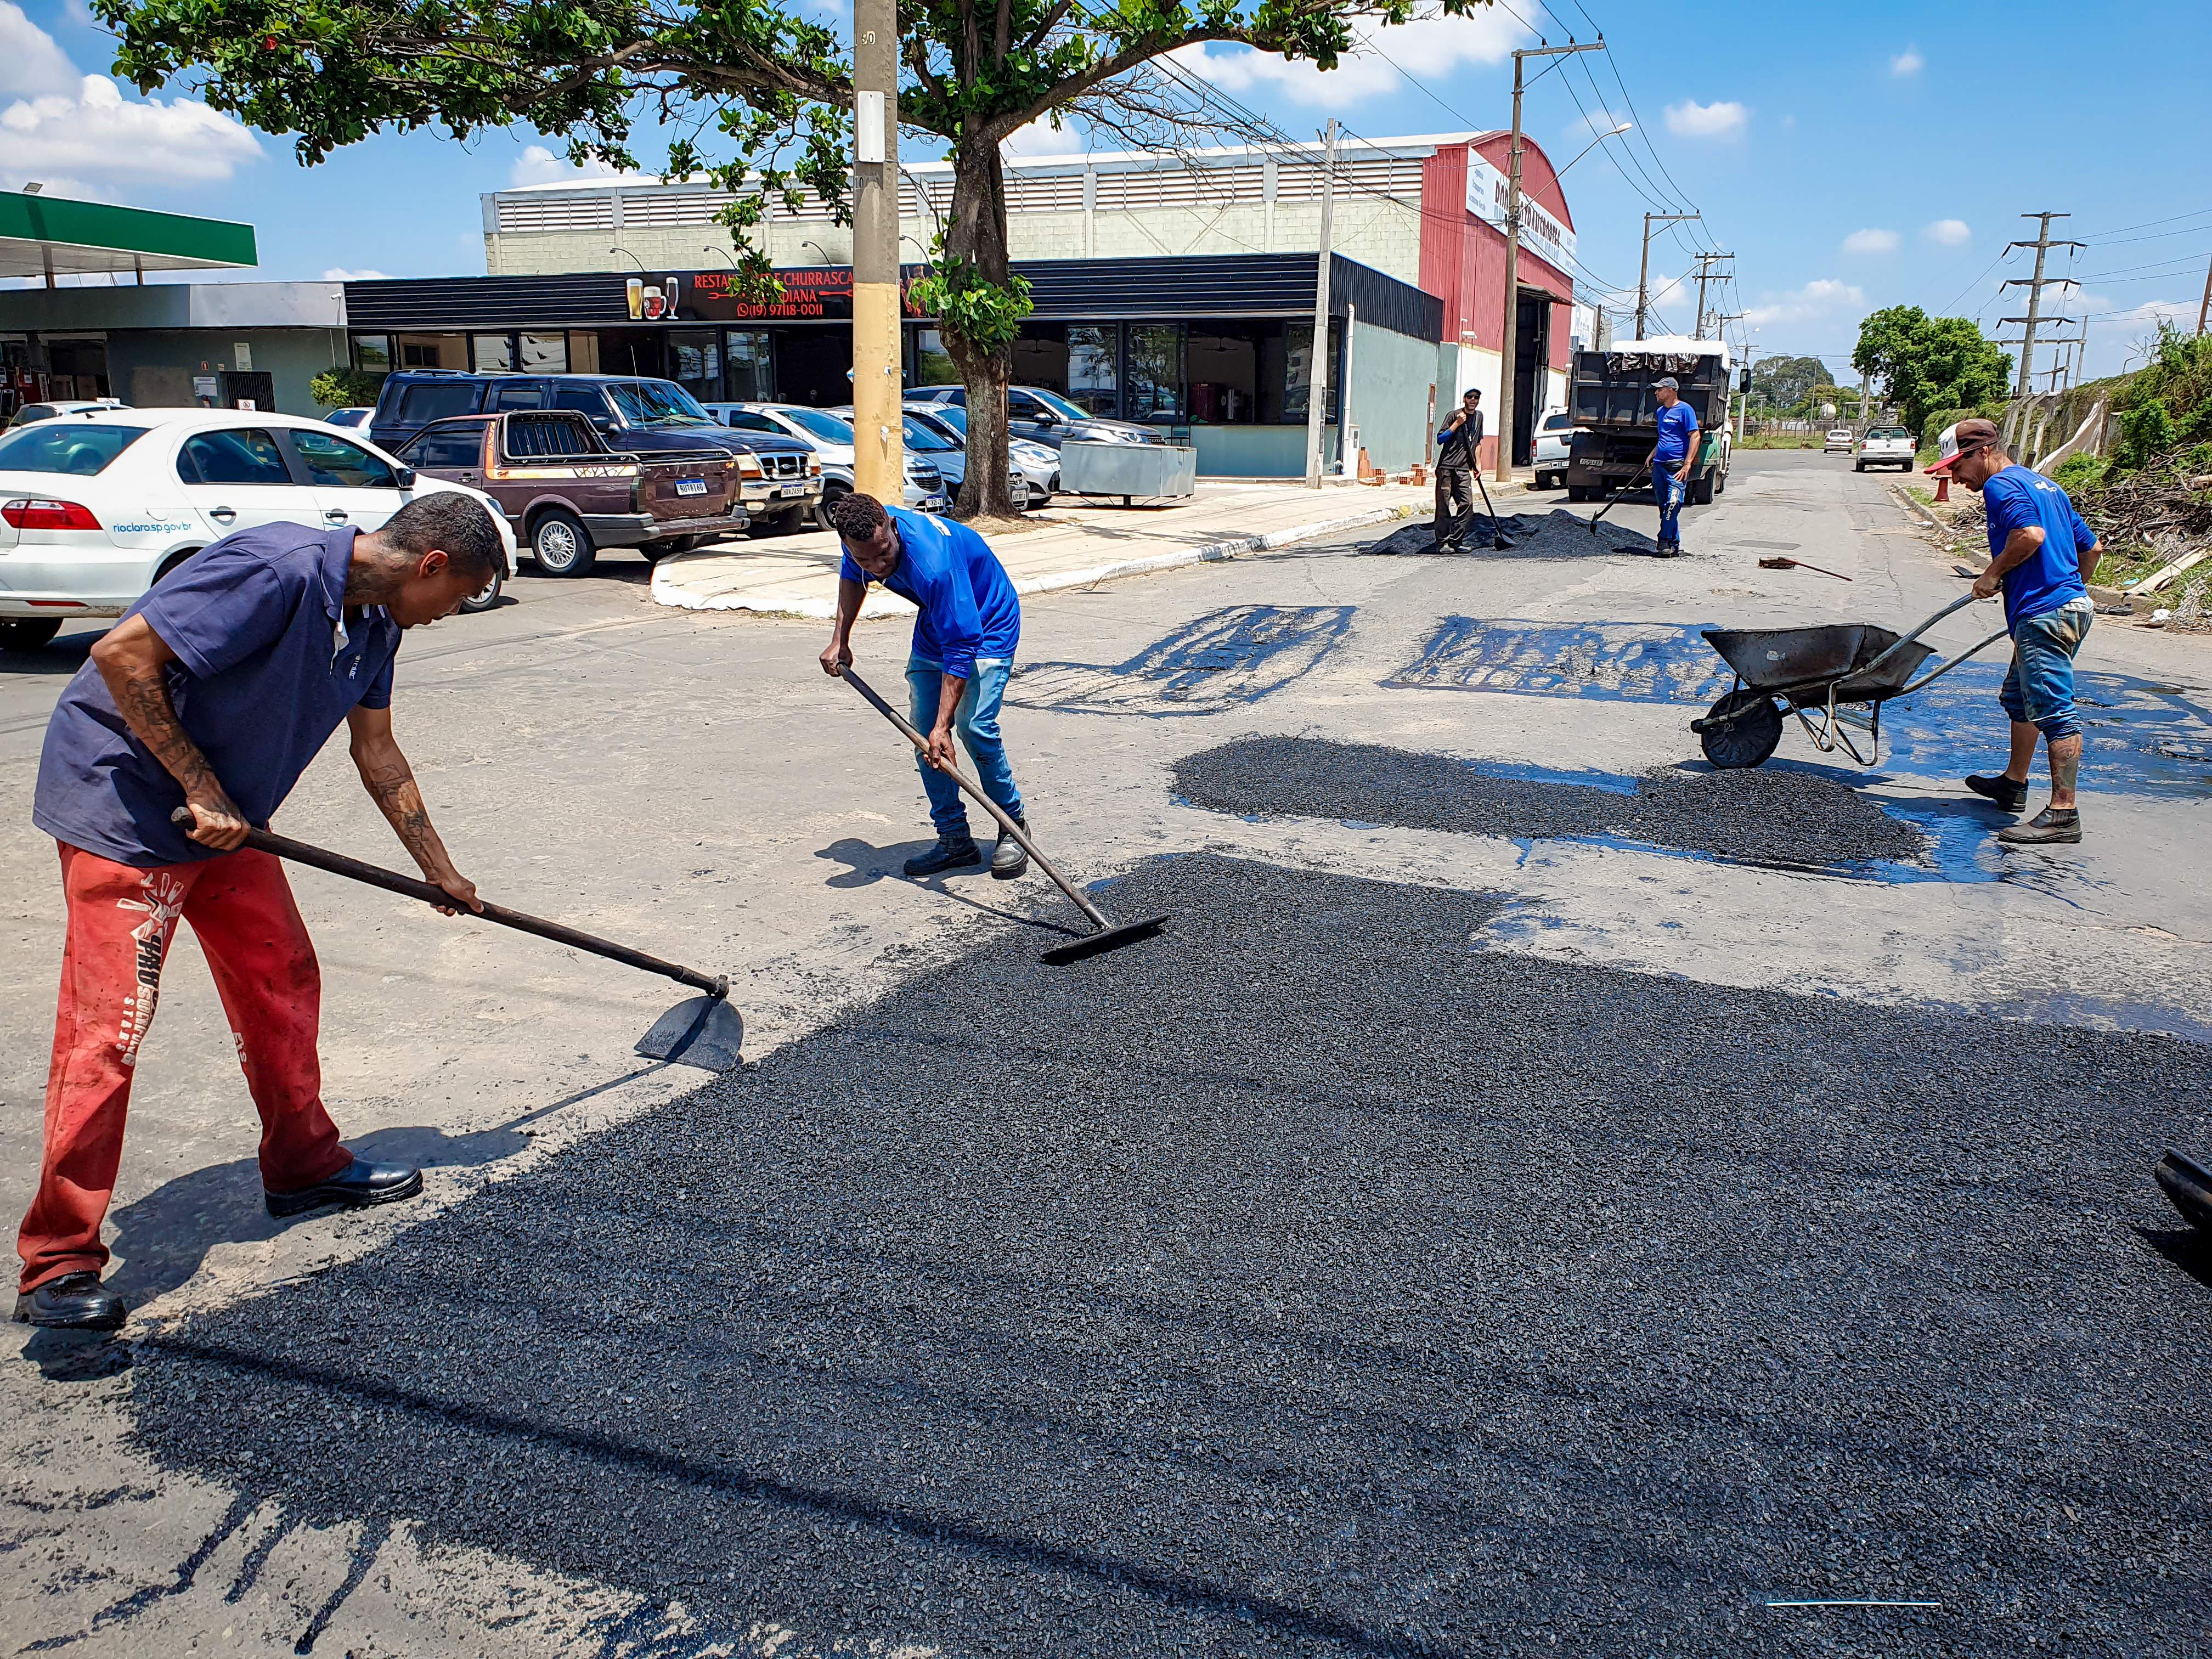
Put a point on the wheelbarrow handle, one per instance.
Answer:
(1938, 673)
(1955, 604)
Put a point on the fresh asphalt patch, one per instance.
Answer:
(1308, 1280)
(1778, 816)
(1557, 534)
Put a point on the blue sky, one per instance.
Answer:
(1850, 157)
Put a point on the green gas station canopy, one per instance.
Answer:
(39, 233)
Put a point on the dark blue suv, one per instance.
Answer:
(782, 478)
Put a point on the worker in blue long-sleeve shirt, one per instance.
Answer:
(964, 638)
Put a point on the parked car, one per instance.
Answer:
(1837, 442)
(933, 443)
(1037, 466)
(832, 438)
(30, 412)
(1887, 446)
(97, 506)
(570, 495)
(1554, 438)
(1046, 417)
(782, 477)
(948, 423)
(354, 416)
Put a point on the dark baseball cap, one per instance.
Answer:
(1963, 439)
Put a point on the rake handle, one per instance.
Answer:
(338, 864)
(1005, 819)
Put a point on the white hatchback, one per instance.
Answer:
(97, 506)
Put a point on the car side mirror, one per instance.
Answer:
(405, 476)
(604, 423)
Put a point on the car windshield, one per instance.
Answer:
(1057, 405)
(952, 415)
(657, 402)
(920, 434)
(65, 446)
(822, 425)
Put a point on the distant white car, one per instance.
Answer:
(1554, 437)
(30, 412)
(1886, 445)
(97, 506)
(831, 435)
(1837, 442)
(356, 415)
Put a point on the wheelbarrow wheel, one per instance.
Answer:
(1741, 730)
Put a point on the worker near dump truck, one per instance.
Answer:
(2042, 557)
(1459, 452)
(1671, 461)
(964, 637)
(214, 692)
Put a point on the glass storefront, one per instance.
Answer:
(694, 362)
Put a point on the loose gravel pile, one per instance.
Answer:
(1304, 1282)
(1558, 534)
(1763, 816)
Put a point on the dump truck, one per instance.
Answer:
(1615, 413)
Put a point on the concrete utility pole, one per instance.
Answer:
(2035, 285)
(1317, 363)
(1644, 271)
(1704, 275)
(2204, 308)
(878, 429)
(1510, 344)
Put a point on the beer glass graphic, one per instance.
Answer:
(653, 303)
(635, 288)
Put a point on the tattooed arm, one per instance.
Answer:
(390, 781)
(134, 661)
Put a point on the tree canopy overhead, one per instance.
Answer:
(757, 94)
(1929, 363)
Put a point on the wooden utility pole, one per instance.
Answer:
(2035, 285)
(1317, 360)
(1510, 344)
(2204, 307)
(1644, 270)
(878, 414)
(1704, 275)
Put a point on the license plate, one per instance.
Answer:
(690, 486)
(792, 489)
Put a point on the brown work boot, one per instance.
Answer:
(2047, 828)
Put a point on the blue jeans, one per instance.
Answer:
(975, 723)
(2039, 686)
(1667, 490)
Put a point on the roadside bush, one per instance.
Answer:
(345, 388)
(2077, 473)
(2146, 433)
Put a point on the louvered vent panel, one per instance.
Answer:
(521, 215)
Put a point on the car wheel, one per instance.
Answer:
(27, 632)
(1720, 483)
(487, 596)
(561, 544)
(1701, 491)
(831, 494)
(1858, 467)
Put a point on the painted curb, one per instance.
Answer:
(668, 590)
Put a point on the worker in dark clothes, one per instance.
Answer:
(2043, 557)
(213, 692)
(964, 638)
(1671, 461)
(1459, 452)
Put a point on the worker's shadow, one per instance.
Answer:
(866, 865)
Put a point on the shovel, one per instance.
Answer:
(1497, 537)
(1634, 479)
(2187, 1185)
(704, 1031)
(1104, 936)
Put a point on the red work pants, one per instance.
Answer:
(120, 921)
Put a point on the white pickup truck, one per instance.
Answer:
(1886, 445)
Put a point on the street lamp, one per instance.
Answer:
(1592, 144)
(632, 257)
(725, 252)
(821, 250)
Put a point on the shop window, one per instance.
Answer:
(433, 351)
(747, 365)
(546, 354)
(694, 362)
(1094, 379)
(1297, 368)
(1222, 364)
(583, 353)
(491, 353)
(1040, 357)
(932, 364)
(1155, 384)
(372, 353)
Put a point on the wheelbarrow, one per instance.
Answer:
(1834, 678)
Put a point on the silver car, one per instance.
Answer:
(1036, 465)
(831, 435)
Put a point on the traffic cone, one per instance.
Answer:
(1943, 487)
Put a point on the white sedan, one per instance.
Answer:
(97, 506)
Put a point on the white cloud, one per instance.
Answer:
(76, 133)
(1949, 232)
(1907, 62)
(1692, 119)
(1429, 46)
(1821, 297)
(538, 165)
(1871, 241)
(1040, 137)
(340, 273)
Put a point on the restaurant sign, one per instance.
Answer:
(812, 293)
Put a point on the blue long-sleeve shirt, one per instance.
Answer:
(968, 604)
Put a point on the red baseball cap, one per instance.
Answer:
(1963, 438)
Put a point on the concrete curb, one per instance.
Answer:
(1919, 508)
(667, 590)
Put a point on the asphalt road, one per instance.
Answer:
(1472, 1239)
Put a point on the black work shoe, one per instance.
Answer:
(72, 1302)
(1007, 858)
(2046, 828)
(2013, 797)
(951, 852)
(357, 1186)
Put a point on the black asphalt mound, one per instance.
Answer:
(1763, 816)
(1557, 534)
(1306, 1282)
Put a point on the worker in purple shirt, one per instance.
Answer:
(2042, 556)
(964, 638)
(1671, 461)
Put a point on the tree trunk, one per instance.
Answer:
(977, 236)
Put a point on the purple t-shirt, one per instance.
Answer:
(267, 667)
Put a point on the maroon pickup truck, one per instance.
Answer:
(567, 494)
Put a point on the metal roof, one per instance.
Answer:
(43, 234)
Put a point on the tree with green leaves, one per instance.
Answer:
(755, 93)
(1928, 363)
(1784, 383)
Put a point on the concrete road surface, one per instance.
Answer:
(1245, 1294)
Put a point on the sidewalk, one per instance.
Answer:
(1068, 544)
